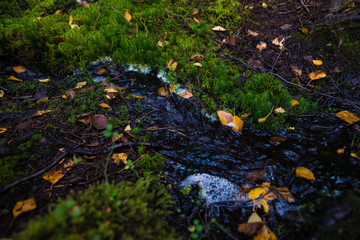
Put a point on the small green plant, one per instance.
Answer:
(196, 230)
(186, 190)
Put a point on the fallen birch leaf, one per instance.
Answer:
(194, 11)
(69, 94)
(1, 93)
(354, 155)
(119, 157)
(238, 124)
(245, 115)
(340, 151)
(100, 71)
(285, 193)
(265, 205)
(294, 102)
(196, 20)
(198, 64)
(279, 110)
(252, 226)
(44, 80)
(14, 79)
(118, 137)
(219, 29)
(137, 96)
(225, 117)
(70, 19)
(255, 193)
(127, 128)
(264, 5)
(265, 234)
(252, 33)
(197, 57)
(278, 43)
(186, 95)
(261, 46)
(303, 172)
(317, 62)
(232, 41)
(80, 85)
(305, 31)
(162, 92)
(348, 117)
(127, 16)
(19, 69)
(104, 105)
(172, 65)
(172, 87)
(2, 130)
(24, 206)
(260, 120)
(40, 112)
(53, 176)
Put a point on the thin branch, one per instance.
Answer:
(282, 47)
(302, 3)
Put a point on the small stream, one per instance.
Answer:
(225, 165)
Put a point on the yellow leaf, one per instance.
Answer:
(19, 69)
(110, 89)
(317, 62)
(14, 79)
(225, 117)
(137, 96)
(128, 128)
(24, 206)
(104, 105)
(162, 92)
(2, 130)
(317, 75)
(127, 16)
(294, 102)
(348, 117)
(262, 45)
(44, 80)
(238, 124)
(172, 87)
(119, 157)
(303, 172)
(354, 155)
(254, 193)
(118, 137)
(70, 20)
(196, 20)
(279, 110)
(245, 115)
(186, 95)
(305, 31)
(265, 205)
(265, 234)
(40, 112)
(194, 11)
(219, 29)
(278, 43)
(260, 120)
(53, 176)
(254, 218)
(1, 93)
(74, 26)
(340, 151)
(80, 85)
(173, 66)
(285, 193)
(264, 5)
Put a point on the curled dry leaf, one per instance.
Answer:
(279, 110)
(162, 37)
(172, 87)
(305, 31)
(137, 96)
(348, 117)
(40, 112)
(197, 57)
(218, 29)
(198, 64)
(225, 117)
(44, 80)
(2, 130)
(1, 93)
(265, 234)
(162, 92)
(53, 176)
(196, 20)
(286, 26)
(24, 206)
(19, 69)
(127, 128)
(98, 121)
(285, 193)
(80, 85)
(14, 79)
(261, 46)
(317, 75)
(252, 33)
(303, 172)
(296, 70)
(317, 62)
(186, 95)
(69, 94)
(255, 193)
(119, 157)
(260, 120)
(238, 124)
(194, 11)
(245, 115)
(100, 71)
(232, 41)
(172, 65)
(264, 5)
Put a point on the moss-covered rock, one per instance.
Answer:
(116, 211)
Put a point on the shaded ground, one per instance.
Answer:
(30, 138)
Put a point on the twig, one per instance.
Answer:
(7, 187)
(222, 229)
(6, 90)
(282, 47)
(302, 3)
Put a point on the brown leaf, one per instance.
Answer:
(98, 121)
(197, 57)
(265, 234)
(100, 71)
(194, 11)
(261, 46)
(69, 94)
(162, 37)
(252, 33)
(186, 95)
(232, 41)
(255, 175)
(162, 92)
(250, 229)
(19, 69)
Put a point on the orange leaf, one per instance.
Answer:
(127, 16)
(303, 172)
(317, 75)
(305, 31)
(255, 193)
(262, 45)
(19, 69)
(294, 102)
(162, 92)
(238, 124)
(119, 157)
(100, 71)
(2, 130)
(53, 176)
(348, 117)
(24, 206)
(317, 62)
(225, 117)
(265, 234)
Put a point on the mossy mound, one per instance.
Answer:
(117, 211)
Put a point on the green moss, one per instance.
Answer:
(155, 163)
(122, 211)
